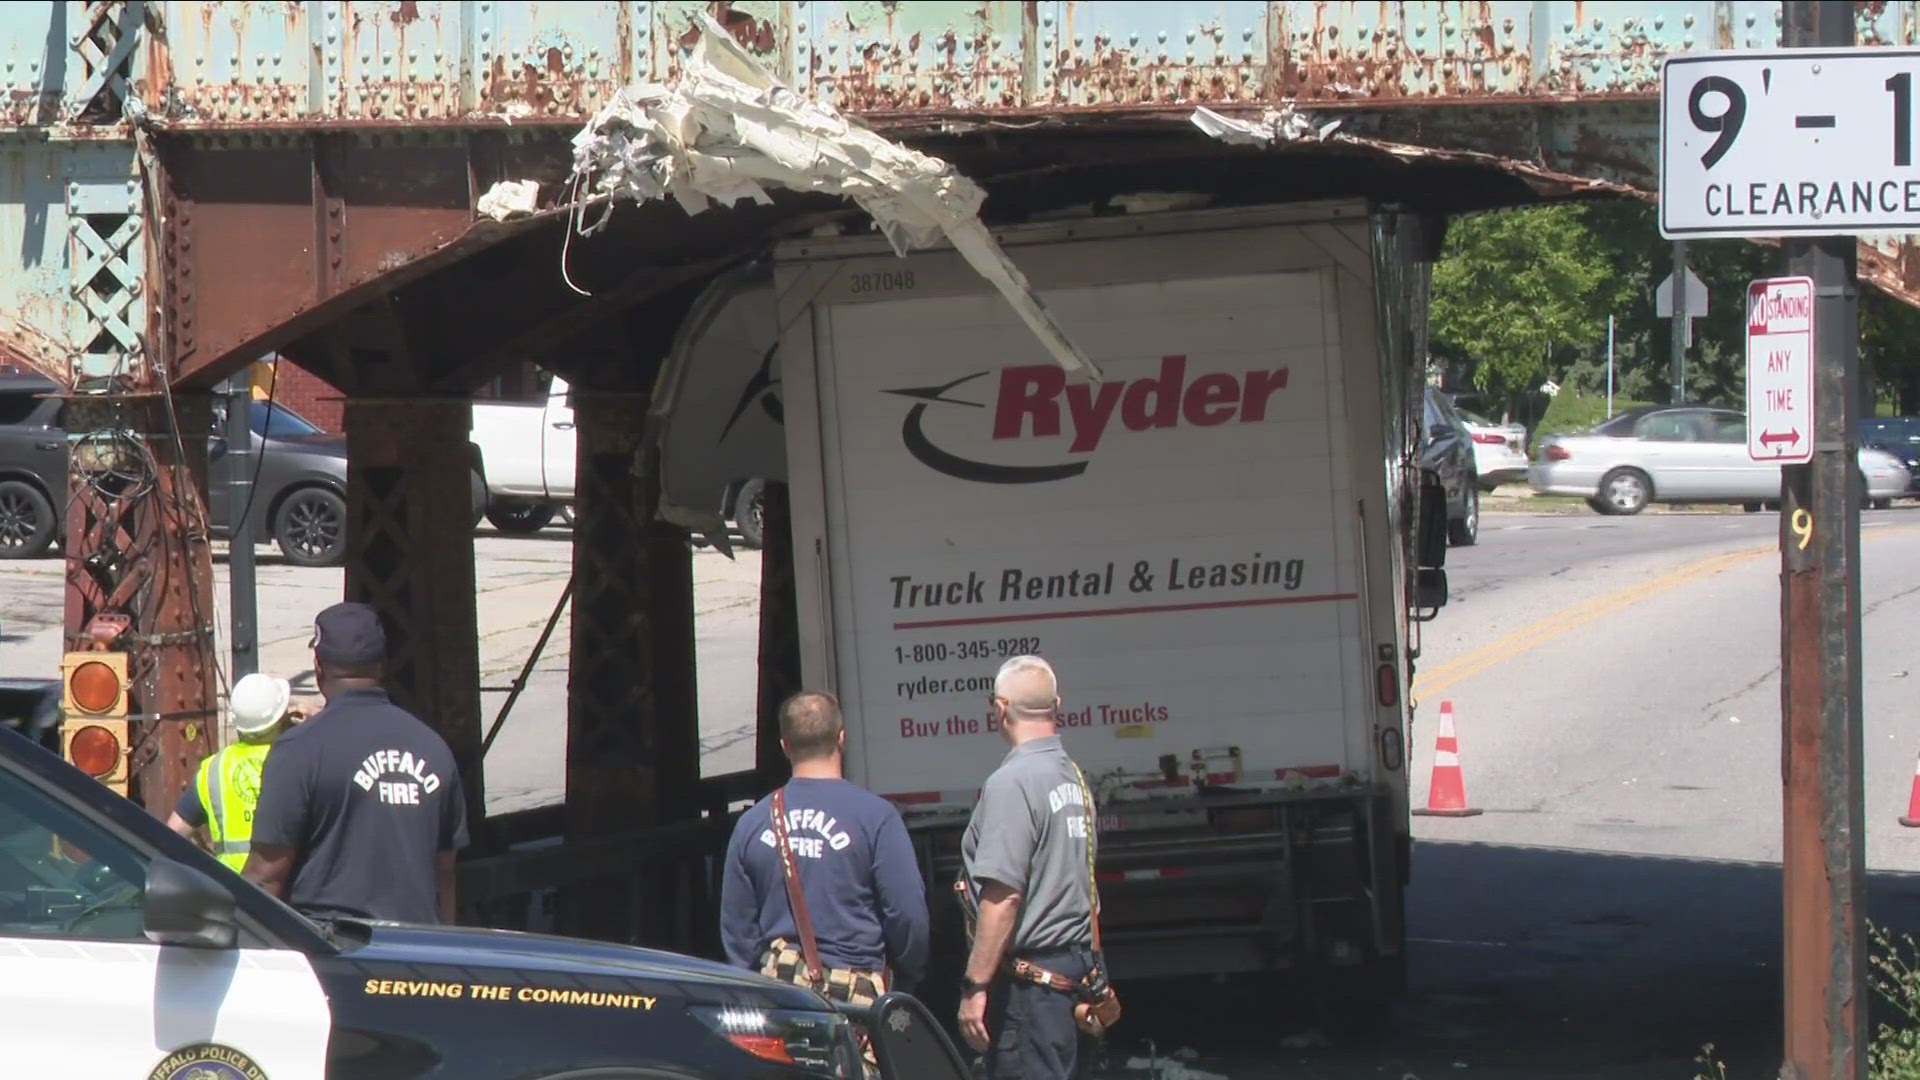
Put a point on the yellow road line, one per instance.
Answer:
(1543, 630)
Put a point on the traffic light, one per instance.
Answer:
(93, 707)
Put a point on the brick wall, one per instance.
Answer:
(301, 391)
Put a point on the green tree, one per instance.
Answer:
(1512, 286)
(1523, 295)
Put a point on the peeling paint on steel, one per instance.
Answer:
(380, 61)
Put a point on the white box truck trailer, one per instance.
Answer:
(1213, 545)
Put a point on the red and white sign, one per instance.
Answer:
(1780, 370)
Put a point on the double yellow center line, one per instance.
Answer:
(1441, 676)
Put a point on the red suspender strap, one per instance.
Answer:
(809, 945)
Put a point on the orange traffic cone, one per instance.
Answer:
(1912, 820)
(1447, 791)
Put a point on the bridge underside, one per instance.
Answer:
(386, 290)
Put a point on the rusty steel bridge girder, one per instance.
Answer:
(304, 157)
(301, 157)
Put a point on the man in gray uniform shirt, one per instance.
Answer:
(1025, 858)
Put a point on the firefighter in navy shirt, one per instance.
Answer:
(855, 865)
(360, 809)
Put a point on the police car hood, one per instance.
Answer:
(696, 981)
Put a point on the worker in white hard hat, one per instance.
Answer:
(227, 785)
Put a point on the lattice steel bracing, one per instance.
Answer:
(107, 252)
(632, 724)
(138, 551)
(410, 555)
(105, 49)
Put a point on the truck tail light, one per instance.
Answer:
(1386, 680)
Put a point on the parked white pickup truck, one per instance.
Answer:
(528, 454)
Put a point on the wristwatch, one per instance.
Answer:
(968, 987)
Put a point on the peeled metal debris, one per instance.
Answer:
(728, 130)
(509, 198)
(1274, 125)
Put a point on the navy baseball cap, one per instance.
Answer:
(349, 633)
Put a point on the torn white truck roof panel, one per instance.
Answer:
(728, 130)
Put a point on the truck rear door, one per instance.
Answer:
(1181, 540)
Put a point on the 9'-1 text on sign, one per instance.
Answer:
(1788, 141)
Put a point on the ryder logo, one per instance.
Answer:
(1038, 402)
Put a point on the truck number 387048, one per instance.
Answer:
(883, 281)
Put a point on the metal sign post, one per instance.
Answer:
(242, 600)
(1814, 143)
(1677, 359)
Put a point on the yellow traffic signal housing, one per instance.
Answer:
(94, 684)
(97, 748)
(93, 706)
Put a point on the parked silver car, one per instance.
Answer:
(1678, 454)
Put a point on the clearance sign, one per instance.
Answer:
(1176, 539)
(1788, 141)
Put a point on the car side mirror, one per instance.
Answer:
(186, 907)
(907, 1041)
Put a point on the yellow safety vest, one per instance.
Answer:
(229, 787)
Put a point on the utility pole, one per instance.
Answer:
(244, 465)
(1824, 863)
(1677, 361)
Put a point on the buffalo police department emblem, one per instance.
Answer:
(207, 1061)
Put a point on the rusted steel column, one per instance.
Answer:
(137, 548)
(410, 555)
(633, 756)
(779, 631)
(1824, 864)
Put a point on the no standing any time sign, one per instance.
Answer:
(1780, 370)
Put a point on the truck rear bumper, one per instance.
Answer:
(1263, 885)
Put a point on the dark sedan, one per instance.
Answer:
(126, 951)
(1446, 451)
(298, 474)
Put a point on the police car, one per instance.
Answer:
(127, 952)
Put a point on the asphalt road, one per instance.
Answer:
(1617, 906)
